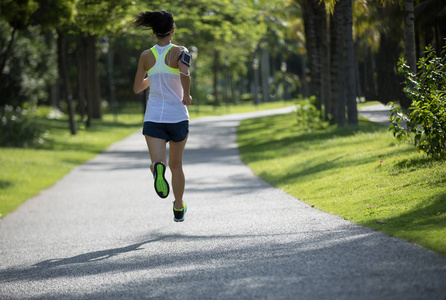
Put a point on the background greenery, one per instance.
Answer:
(84, 52)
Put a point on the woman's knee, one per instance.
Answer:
(175, 164)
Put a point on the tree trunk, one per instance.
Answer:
(352, 110)
(337, 66)
(62, 61)
(215, 85)
(6, 53)
(409, 36)
(310, 24)
(54, 88)
(81, 81)
(324, 50)
(86, 78)
(305, 87)
(93, 85)
(264, 66)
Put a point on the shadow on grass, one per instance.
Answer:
(422, 218)
(416, 162)
(4, 184)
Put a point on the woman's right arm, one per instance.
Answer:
(141, 81)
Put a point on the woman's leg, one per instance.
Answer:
(157, 150)
(176, 167)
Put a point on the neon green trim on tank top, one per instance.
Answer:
(155, 53)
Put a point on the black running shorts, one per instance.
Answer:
(175, 132)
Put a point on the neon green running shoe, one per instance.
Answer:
(178, 214)
(161, 185)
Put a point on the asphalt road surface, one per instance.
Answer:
(102, 233)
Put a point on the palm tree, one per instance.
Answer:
(409, 36)
(312, 46)
(350, 78)
(430, 15)
(337, 65)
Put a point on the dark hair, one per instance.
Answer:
(160, 21)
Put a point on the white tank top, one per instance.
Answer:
(165, 103)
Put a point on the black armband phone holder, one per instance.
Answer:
(185, 58)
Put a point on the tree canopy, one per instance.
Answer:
(228, 35)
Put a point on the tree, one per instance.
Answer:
(430, 16)
(95, 18)
(409, 35)
(310, 17)
(350, 78)
(341, 89)
(30, 68)
(17, 14)
(53, 15)
(337, 39)
(62, 62)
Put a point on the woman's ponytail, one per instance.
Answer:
(160, 21)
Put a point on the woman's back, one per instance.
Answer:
(166, 91)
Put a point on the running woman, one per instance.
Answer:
(166, 118)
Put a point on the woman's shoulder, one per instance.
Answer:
(179, 48)
(147, 53)
(148, 59)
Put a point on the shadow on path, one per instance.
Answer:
(287, 264)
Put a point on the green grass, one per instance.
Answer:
(361, 174)
(25, 172)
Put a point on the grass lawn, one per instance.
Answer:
(25, 172)
(362, 174)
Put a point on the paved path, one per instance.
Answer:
(376, 113)
(102, 233)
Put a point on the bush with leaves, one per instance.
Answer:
(426, 120)
(308, 116)
(19, 127)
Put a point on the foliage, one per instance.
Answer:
(101, 17)
(19, 127)
(426, 121)
(18, 12)
(53, 13)
(30, 68)
(308, 117)
(232, 28)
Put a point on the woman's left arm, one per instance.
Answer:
(185, 82)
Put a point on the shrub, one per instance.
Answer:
(308, 116)
(19, 127)
(426, 119)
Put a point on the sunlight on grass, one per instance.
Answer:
(361, 174)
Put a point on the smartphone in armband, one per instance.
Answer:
(185, 58)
